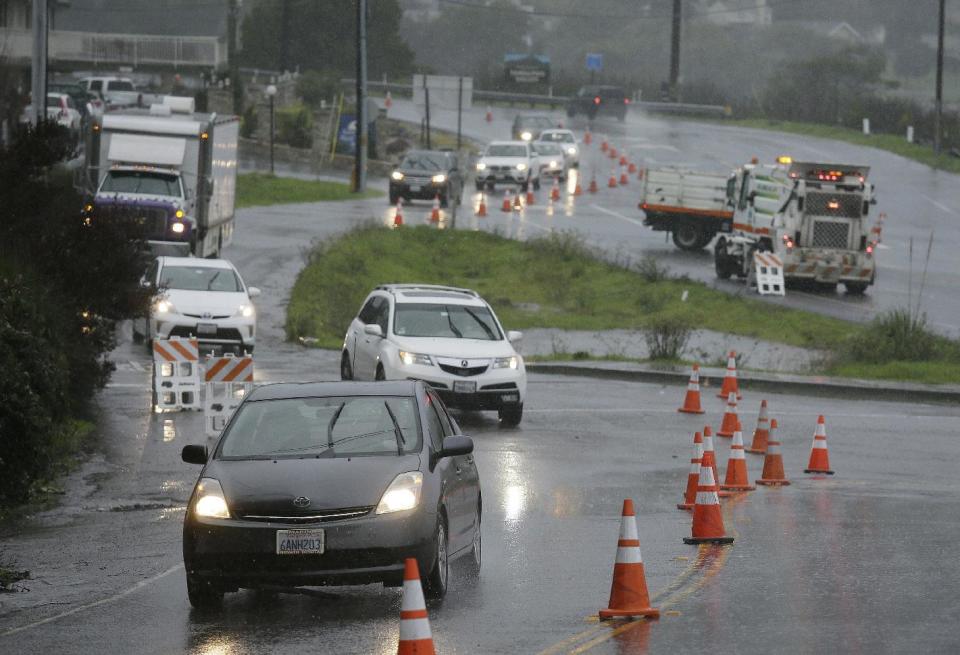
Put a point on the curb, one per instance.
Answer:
(807, 385)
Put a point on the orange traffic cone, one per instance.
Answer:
(772, 475)
(577, 191)
(737, 479)
(555, 190)
(613, 153)
(415, 635)
(690, 495)
(730, 379)
(623, 176)
(631, 168)
(507, 205)
(623, 160)
(530, 197)
(517, 203)
(593, 184)
(612, 183)
(398, 214)
(388, 101)
(707, 519)
(435, 212)
(587, 138)
(489, 116)
(710, 457)
(604, 146)
(730, 418)
(691, 402)
(628, 593)
(762, 433)
(482, 207)
(819, 456)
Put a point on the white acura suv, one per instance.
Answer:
(445, 336)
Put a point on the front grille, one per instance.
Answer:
(208, 317)
(827, 234)
(841, 205)
(500, 169)
(327, 516)
(503, 385)
(464, 372)
(223, 334)
(411, 179)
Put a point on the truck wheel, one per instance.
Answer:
(855, 288)
(688, 236)
(721, 260)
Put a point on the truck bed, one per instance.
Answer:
(675, 192)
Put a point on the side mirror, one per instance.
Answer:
(373, 330)
(253, 292)
(455, 446)
(194, 454)
(145, 283)
(514, 336)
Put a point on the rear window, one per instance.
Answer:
(323, 427)
(120, 85)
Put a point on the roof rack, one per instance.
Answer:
(427, 287)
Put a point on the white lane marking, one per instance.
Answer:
(102, 601)
(940, 205)
(610, 212)
(137, 366)
(634, 410)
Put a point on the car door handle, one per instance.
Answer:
(459, 471)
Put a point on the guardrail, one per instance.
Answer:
(676, 108)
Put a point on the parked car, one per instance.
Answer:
(552, 161)
(88, 103)
(507, 162)
(61, 109)
(593, 101)
(446, 336)
(119, 92)
(202, 298)
(527, 127)
(332, 483)
(566, 140)
(426, 174)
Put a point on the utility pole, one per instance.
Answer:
(233, 65)
(284, 35)
(675, 52)
(938, 110)
(360, 161)
(38, 69)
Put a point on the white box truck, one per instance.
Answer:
(692, 206)
(173, 168)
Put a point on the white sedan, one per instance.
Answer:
(566, 140)
(202, 298)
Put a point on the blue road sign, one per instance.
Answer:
(595, 61)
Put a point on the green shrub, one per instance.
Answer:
(295, 126)
(896, 335)
(249, 122)
(314, 87)
(667, 337)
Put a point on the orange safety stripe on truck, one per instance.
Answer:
(715, 213)
(743, 227)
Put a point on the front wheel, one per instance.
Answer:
(346, 371)
(688, 236)
(202, 594)
(380, 376)
(536, 184)
(436, 581)
(394, 199)
(855, 288)
(510, 415)
(480, 185)
(721, 260)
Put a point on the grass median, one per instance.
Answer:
(258, 189)
(557, 282)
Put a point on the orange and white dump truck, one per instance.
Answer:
(813, 216)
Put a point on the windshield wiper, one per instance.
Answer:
(333, 421)
(396, 428)
(210, 283)
(453, 328)
(486, 328)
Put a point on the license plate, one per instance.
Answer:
(415, 188)
(465, 387)
(510, 397)
(300, 542)
(206, 329)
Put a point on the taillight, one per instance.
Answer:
(596, 100)
(870, 249)
(626, 101)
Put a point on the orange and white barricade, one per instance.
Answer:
(176, 374)
(227, 381)
(768, 273)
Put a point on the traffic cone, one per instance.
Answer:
(489, 116)
(623, 177)
(628, 593)
(730, 379)
(482, 207)
(398, 214)
(612, 183)
(517, 203)
(435, 212)
(415, 635)
(555, 191)
(631, 168)
(772, 475)
(577, 191)
(710, 457)
(623, 160)
(593, 184)
(690, 495)
(639, 173)
(604, 146)
(691, 401)
(762, 433)
(737, 479)
(507, 205)
(819, 456)
(613, 152)
(388, 101)
(707, 519)
(730, 418)
(587, 138)
(530, 197)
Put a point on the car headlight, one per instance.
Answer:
(164, 307)
(210, 502)
(246, 311)
(553, 163)
(396, 175)
(415, 358)
(526, 136)
(507, 362)
(439, 179)
(481, 166)
(521, 167)
(402, 494)
(571, 150)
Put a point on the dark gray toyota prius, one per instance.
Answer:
(331, 483)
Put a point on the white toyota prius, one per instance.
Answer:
(448, 337)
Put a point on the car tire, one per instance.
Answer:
(475, 559)
(855, 288)
(394, 199)
(510, 415)
(202, 594)
(380, 375)
(536, 184)
(437, 579)
(688, 236)
(346, 371)
(480, 185)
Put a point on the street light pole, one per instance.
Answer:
(271, 92)
(38, 71)
(360, 162)
(938, 110)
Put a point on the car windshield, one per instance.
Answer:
(424, 162)
(557, 137)
(445, 321)
(120, 85)
(506, 151)
(536, 121)
(549, 149)
(156, 184)
(345, 426)
(199, 278)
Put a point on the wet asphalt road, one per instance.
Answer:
(917, 200)
(860, 562)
